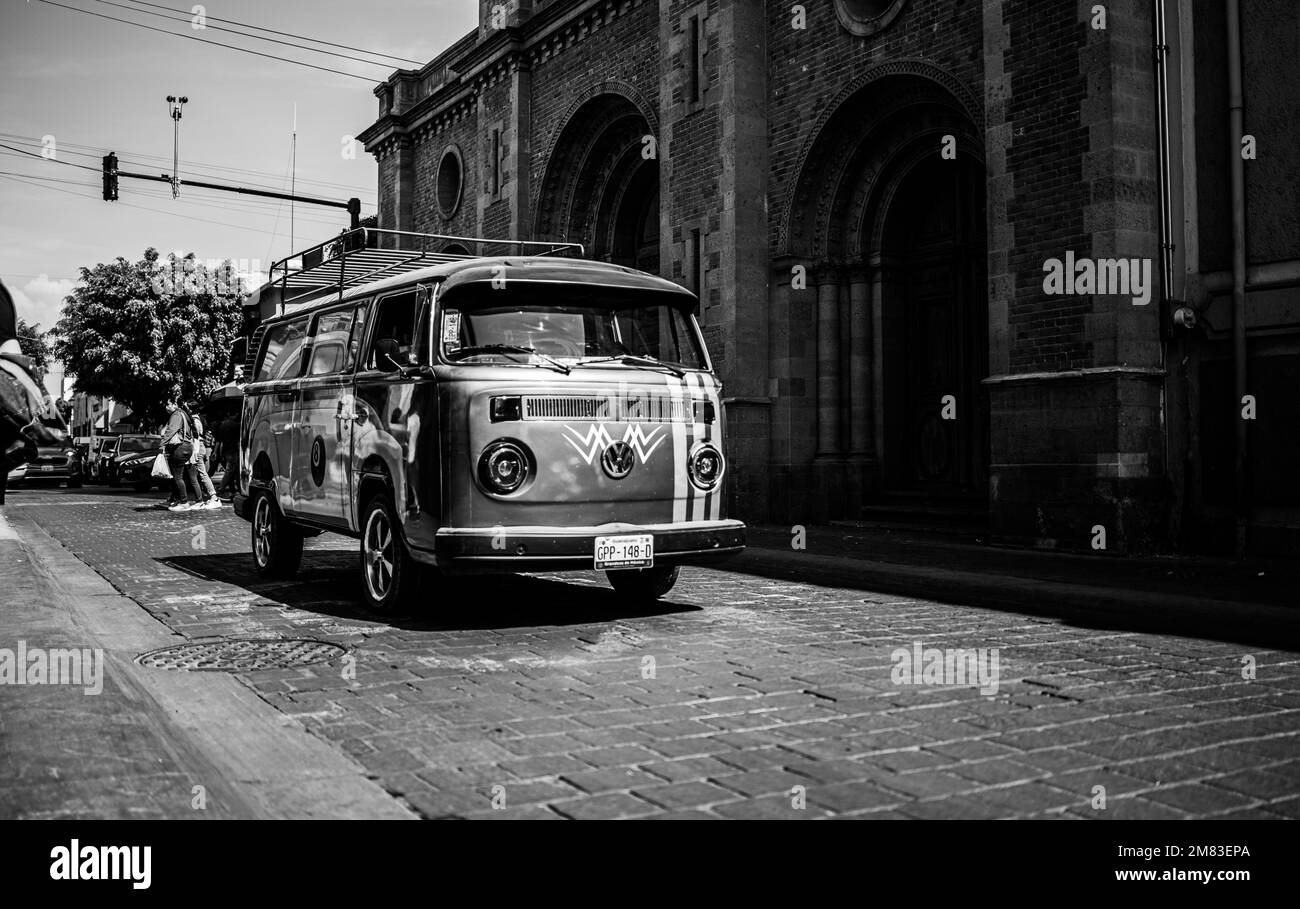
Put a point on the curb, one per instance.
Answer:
(255, 761)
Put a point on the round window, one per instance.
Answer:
(449, 182)
(866, 17)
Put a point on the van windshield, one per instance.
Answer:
(570, 333)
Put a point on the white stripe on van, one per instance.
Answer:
(713, 504)
(699, 507)
(680, 482)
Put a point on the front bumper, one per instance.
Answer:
(136, 473)
(508, 549)
(43, 472)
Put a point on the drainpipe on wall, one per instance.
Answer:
(1164, 180)
(1235, 132)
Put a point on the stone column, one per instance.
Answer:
(404, 184)
(519, 153)
(828, 360)
(883, 274)
(861, 411)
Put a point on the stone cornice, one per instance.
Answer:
(470, 67)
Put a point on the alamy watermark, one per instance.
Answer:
(25, 665)
(946, 666)
(75, 862)
(1124, 277)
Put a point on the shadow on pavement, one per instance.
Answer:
(329, 584)
(1100, 608)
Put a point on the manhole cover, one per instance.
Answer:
(229, 655)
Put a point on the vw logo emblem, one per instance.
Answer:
(618, 460)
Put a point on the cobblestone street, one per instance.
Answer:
(735, 697)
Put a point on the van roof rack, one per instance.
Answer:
(367, 254)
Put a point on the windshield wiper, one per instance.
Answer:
(634, 360)
(509, 349)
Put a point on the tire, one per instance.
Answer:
(277, 544)
(142, 485)
(389, 576)
(644, 583)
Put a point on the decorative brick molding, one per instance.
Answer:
(586, 149)
(867, 17)
(938, 87)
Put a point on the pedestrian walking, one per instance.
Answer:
(178, 446)
(205, 492)
(228, 435)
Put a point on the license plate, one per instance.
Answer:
(48, 468)
(626, 551)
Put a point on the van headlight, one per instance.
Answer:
(706, 466)
(503, 467)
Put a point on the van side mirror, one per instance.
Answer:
(386, 354)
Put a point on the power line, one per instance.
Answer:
(43, 158)
(218, 28)
(49, 179)
(128, 157)
(324, 69)
(188, 199)
(288, 34)
(157, 211)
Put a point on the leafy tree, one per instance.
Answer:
(141, 332)
(36, 347)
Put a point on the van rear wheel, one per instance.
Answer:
(644, 583)
(388, 573)
(277, 544)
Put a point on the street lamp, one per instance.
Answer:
(174, 105)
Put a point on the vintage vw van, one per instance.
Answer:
(489, 414)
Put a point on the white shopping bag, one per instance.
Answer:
(160, 468)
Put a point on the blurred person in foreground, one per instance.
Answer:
(28, 417)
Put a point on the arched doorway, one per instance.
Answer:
(634, 231)
(893, 230)
(935, 331)
(599, 189)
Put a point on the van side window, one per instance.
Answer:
(329, 352)
(358, 334)
(282, 351)
(392, 344)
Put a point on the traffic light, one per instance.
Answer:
(110, 177)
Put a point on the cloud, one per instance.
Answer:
(40, 300)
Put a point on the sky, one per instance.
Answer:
(83, 86)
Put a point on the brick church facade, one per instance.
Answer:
(865, 195)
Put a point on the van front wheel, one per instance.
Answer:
(644, 583)
(277, 544)
(388, 574)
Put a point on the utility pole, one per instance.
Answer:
(293, 173)
(175, 105)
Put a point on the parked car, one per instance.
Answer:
(132, 461)
(54, 463)
(95, 458)
(106, 451)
